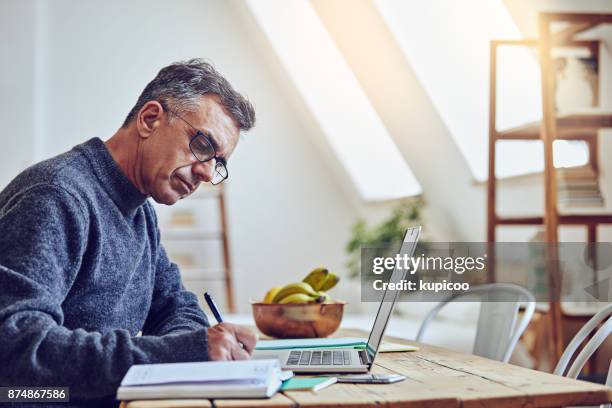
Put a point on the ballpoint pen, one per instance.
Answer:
(215, 311)
(213, 307)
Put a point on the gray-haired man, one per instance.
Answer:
(82, 269)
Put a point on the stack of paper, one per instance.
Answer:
(211, 379)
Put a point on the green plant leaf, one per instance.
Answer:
(387, 234)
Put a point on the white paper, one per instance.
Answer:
(286, 374)
(201, 372)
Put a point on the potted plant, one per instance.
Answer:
(385, 237)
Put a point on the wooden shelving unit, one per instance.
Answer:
(576, 126)
(194, 244)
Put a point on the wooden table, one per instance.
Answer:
(437, 377)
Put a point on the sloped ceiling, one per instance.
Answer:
(332, 94)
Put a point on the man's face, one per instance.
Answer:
(169, 169)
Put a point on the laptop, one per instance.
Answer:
(347, 360)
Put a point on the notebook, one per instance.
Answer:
(336, 342)
(210, 379)
(313, 384)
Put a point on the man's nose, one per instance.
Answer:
(204, 170)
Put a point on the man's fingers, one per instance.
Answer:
(238, 341)
(238, 353)
(247, 337)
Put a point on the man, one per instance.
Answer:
(82, 269)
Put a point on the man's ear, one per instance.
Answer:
(149, 118)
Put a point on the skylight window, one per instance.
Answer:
(333, 95)
(447, 45)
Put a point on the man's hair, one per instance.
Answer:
(179, 86)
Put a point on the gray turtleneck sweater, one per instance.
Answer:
(82, 271)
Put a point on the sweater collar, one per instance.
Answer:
(120, 189)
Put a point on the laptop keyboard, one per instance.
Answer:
(323, 357)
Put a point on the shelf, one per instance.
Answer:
(208, 190)
(216, 287)
(574, 126)
(191, 234)
(201, 274)
(567, 219)
(204, 192)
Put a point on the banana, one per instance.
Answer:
(270, 294)
(330, 281)
(324, 298)
(293, 288)
(298, 298)
(316, 277)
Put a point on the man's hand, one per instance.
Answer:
(227, 341)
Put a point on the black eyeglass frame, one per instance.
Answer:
(219, 161)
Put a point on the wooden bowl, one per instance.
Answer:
(298, 320)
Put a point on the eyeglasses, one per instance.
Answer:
(203, 150)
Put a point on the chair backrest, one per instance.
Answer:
(497, 332)
(604, 315)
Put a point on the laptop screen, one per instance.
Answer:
(388, 301)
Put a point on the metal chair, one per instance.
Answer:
(497, 332)
(587, 351)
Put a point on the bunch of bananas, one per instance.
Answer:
(312, 289)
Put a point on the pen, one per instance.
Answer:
(215, 311)
(213, 307)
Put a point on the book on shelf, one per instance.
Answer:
(579, 187)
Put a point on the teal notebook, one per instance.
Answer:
(307, 383)
(338, 342)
